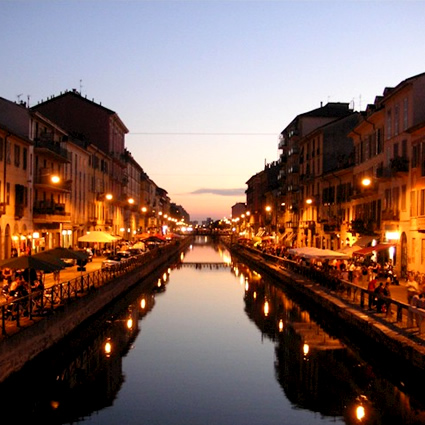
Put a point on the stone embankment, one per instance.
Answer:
(19, 348)
(400, 348)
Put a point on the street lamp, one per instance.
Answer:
(55, 179)
(366, 182)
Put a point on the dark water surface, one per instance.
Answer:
(206, 344)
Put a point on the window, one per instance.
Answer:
(403, 197)
(422, 156)
(413, 249)
(404, 148)
(7, 193)
(389, 124)
(422, 202)
(422, 251)
(405, 114)
(396, 119)
(24, 158)
(17, 159)
(8, 149)
(1, 148)
(413, 204)
(415, 156)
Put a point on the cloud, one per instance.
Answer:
(220, 192)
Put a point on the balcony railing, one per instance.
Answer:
(19, 211)
(49, 208)
(44, 177)
(43, 144)
(390, 215)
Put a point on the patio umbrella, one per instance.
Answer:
(154, 238)
(30, 262)
(97, 236)
(48, 258)
(61, 252)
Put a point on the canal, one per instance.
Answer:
(206, 341)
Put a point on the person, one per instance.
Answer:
(7, 274)
(378, 295)
(412, 288)
(56, 276)
(371, 291)
(387, 294)
(351, 269)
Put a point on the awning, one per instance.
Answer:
(364, 241)
(370, 249)
(312, 252)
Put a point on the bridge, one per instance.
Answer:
(197, 265)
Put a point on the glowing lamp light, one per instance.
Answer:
(143, 304)
(144, 209)
(109, 196)
(360, 413)
(366, 182)
(280, 325)
(55, 179)
(268, 208)
(392, 236)
(129, 323)
(108, 347)
(309, 201)
(306, 349)
(266, 308)
(131, 201)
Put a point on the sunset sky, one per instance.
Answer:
(205, 87)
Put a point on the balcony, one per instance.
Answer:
(19, 211)
(92, 221)
(50, 212)
(45, 145)
(363, 227)
(43, 180)
(390, 215)
(398, 165)
(282, 142)
(292, 224)
(331, 227)
(308, 224)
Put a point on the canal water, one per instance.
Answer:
(206, 341)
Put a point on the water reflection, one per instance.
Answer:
(315, 370)
(83, 374)
(314, 378)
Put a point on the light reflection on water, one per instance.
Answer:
(218, 345)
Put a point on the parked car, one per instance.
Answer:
(69, 261)
(135, 251)
(113, 260)
(125, 254)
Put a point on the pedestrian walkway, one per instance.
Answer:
(70, 273)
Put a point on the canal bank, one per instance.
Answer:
(400, 349)
(21, 347)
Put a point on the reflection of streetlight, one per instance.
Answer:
(360, 412)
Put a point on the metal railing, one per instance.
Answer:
(407, 320)
(43, 302)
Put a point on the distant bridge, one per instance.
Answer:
(198, 265)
